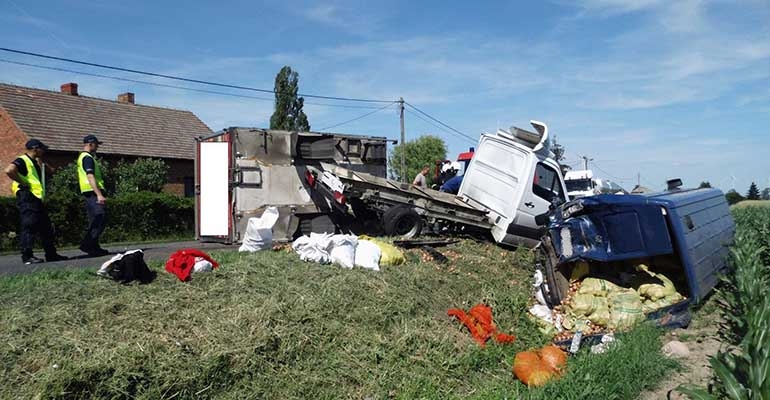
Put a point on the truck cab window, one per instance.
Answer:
(546, 184)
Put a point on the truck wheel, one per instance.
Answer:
(402, 221)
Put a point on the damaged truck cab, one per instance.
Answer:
(683, 234)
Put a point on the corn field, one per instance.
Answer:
(742, 367)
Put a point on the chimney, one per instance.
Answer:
(70, 88)
(127, 98)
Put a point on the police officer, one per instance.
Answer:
(92, 187)
(29, 188)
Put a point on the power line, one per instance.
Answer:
(202, 82)
(610, 175)
(437, 126)
(359, 117)
(441, 123)
(117, 78)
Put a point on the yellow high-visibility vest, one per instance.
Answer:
(85, 186)
(31, 179)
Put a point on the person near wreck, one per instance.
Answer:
(29, 188)
(91, 185)
(420, 180)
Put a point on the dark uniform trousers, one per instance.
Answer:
(97, 220)
(34, 220)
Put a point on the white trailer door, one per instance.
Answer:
(214, 203)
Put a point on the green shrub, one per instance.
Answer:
(137, 216)
(142, 175)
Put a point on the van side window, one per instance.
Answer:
(546, 184)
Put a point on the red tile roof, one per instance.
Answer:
(61, 120)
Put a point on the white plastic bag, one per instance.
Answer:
(343, 250)
(368, 255)
(202, 265)
(314, 248)
(259, 232)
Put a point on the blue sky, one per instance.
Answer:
(661, 88)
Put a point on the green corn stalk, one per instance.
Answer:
(742, 373)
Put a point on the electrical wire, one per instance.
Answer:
(165, 85)
(202, 82)
(359, 117)
(437, 126)
(610, 175)
(441, 123)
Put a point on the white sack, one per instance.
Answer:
(314, 248)
(343, 250)
(368, 255)
(202, 265)
(259, 232)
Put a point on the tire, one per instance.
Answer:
(558, 285)
(402, 221)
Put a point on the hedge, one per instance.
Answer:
(138, 216)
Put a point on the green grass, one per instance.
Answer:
(267, 325)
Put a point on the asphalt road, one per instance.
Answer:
(11, 264)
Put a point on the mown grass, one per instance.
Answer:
(270, 326)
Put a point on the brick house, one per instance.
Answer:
(128, 130)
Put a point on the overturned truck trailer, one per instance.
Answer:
(242, 171)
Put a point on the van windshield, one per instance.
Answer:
(578, 185)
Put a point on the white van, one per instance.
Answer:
(514, 177)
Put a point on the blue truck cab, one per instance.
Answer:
(683, 234)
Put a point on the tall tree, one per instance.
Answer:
(704, 184)
(753, 193)
(766, 193)
(288, 114)
(424, 150)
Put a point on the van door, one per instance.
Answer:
(494, 181)
(543, 186)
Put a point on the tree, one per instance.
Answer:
(733, 197)
(753, 193)
(288, 114)
(766, 193)
(424, 150)
(704, 184)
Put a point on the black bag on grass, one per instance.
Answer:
(127, 267)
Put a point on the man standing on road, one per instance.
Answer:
(92, 187)
(419, 180)
(29, 187)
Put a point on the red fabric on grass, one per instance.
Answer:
(182, 262)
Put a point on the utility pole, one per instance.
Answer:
(586, 159)
(638, 179)
(403, 141)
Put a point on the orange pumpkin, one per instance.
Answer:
(554, 358)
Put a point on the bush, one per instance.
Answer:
(137, 216)
(144, 174)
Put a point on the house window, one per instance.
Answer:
(546, 183)
(189, 186)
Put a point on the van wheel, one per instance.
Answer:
(402, 221)
(558, 285)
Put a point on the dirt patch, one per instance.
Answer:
(703, 342)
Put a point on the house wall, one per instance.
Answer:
(13, 141)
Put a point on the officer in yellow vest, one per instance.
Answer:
(29, 187)
(92, 187)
